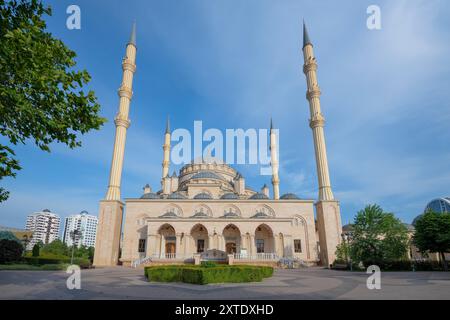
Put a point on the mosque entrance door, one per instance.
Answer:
(230, 248)
(170, 248)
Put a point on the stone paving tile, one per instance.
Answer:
(311, 283)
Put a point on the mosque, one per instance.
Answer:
(208, 211)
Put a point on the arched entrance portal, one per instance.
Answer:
(232, 237)
(200, 236)
(168, 241)
(264, 240)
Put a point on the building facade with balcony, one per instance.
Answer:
(85, 226)
(45, 227)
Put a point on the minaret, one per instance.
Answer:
(111, 208)
(166, 148)
(122, 122)
(274, 162)
(317, 120)
(327, 209)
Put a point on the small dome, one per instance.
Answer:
(230, 214)
(150, 196)
(260, 215)
(259, 196)
(347, 228)
(229, 196)
(176, 195)
(169, 215)
(203, 196)
(84, 212)
(46, 210)
(200, 214)
(206, 175)
(416, 219)
(289, 196)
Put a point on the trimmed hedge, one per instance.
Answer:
(39, 261)
(208, 273)
(394, 265)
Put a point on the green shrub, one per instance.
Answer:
(209, 274)
(44, 260)
(208, 264)
(164, 274)
(10, 251)
(390, 265)
(48, 267)
(36, 250)
(428, 266)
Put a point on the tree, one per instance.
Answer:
(378, 236)
(342, 252)
(432, 234)
(36, 250)
(56, 247)
(41, 94)
(10, 251)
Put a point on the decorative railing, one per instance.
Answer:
(140, 261)
(259, 256)
(172, 256)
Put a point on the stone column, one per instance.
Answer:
(252, 245)
(211, 242)
(178, 250)
(162, 249)
(243, 243)
(152, 241)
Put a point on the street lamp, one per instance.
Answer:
(74, 235)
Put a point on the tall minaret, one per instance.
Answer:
(317, 120)
(111, 208)
(274, 162)
(166, 148)
(327, 209)
(122, 122)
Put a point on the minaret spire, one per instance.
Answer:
(274, 162)
(122, 122)
(133, 35)
(327, 209)
(167, 125)
(166, 149)
(317, 121)
(306, 40)
(111, 208)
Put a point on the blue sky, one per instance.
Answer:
(234, 64)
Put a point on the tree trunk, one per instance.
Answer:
(444, 261)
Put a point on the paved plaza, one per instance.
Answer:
(311, 283)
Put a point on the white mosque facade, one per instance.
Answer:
(208, 211)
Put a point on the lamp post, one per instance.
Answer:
(73, 235)
(346, 239)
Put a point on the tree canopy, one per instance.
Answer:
(41, 94)
(378, 236)
(433, 233)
